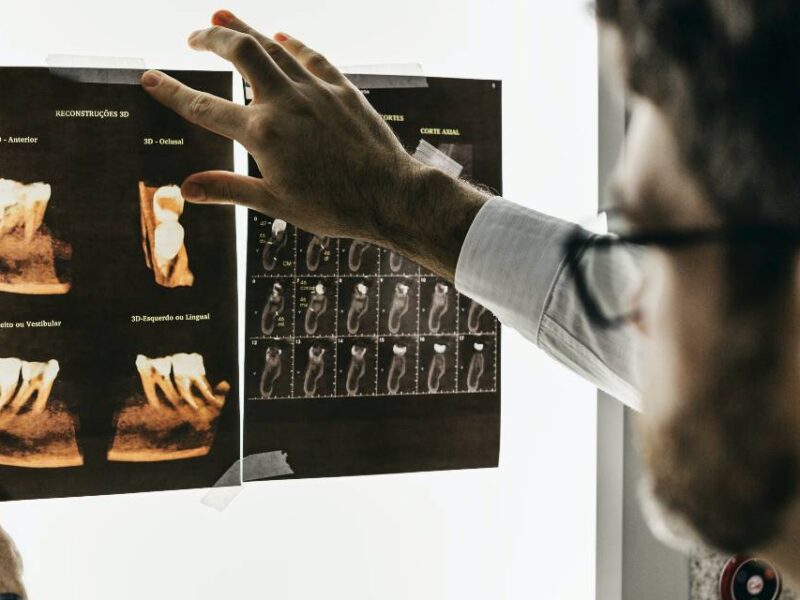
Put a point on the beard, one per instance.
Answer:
(723, 463)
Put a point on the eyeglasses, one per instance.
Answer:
(607, 270)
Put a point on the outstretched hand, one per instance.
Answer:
(328, 159)
(329, 162)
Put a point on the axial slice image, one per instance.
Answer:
(162, 235)
(32, 260)
(175, 414)
(36, 428)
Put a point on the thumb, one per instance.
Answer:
(224, 187)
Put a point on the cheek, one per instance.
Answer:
(662, 373)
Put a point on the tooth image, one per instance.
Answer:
(358, 307)
(190, 372)
(155, 375)
(397, 369)
(315, 367)
(10, 369)
(474, 316)
(476, 368)
(33, 261)
(163, 236)
(36, 429)
(176, 415)
(440, 304)
(395, 261)
(168, 204)
(277, 240)
(272, 370)
(168, 242)
(356, 370)
(37, 195)
(399, 306)
(317, 306)
(355, 254)
(272, 309)
(12, 198)
(437, 367)
(37, 378)
(316, 247)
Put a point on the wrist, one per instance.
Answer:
(435, 213)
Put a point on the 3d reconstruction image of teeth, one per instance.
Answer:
(36, 429)
(397, 369)
(359, 304)
(317, 306)
(277, 240)
(437, 368)
(399, 306)
(163, 236)
(356, 370)
(174, 416)
(395, 261)
(315, 368)
(355, 254)
(314, 251)
(272, 309)
(440, 304)
(474, 315)
(477, 364)
(32, 261)
(273, 364)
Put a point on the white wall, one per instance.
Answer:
(523, 531)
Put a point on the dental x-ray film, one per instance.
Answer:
(118, 321)
(359, 361)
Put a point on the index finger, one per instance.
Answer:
(201, 108)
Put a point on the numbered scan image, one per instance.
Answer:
(359, 360)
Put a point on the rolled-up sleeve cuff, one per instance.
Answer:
(510, 260)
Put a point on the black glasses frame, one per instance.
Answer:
(577, 244)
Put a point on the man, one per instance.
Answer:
(709, 191)
(691, 318)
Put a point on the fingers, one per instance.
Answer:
(206, 110)
(310, 59)
(245, 52)
(223, 187)
(282, 58)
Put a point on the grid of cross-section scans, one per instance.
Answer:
(333, 317)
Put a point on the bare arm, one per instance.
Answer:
(330, 164)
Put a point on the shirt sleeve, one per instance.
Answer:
(512, 262)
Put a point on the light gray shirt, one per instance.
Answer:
(513, 262)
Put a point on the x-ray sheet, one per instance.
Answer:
(118, 324)
(359, 361)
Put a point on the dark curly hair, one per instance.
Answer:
(726, 73)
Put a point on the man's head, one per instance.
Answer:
(713, 142)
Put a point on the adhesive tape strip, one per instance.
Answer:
(264, 465)
(391, 76)
(97, 69)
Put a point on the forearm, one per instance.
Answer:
(431, 220)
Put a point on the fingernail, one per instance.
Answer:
(151, 79)
(222, 17)
(193, 191)
(281, 37)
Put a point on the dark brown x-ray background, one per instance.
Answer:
(334, 436)
(94, 166)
